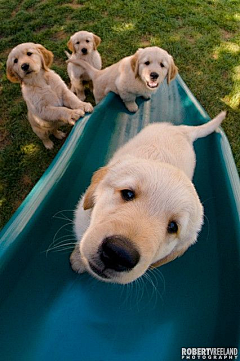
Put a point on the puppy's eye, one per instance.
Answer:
(172, 227)
(87, 41)
(29, 53)
(15, 61)
(147, 62)
(78, 42)
(127, 195)
(161, 65)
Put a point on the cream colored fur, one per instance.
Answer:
(158, 165)
(131, 76)
(50, 103)
(83, 45)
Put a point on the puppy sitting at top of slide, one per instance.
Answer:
(50, 103)
(136, 75)
(83, 45)
(141, 209)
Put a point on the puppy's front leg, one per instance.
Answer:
(70, 100)
(129, 101)
(131, 106)
(52, 113)
(146, 96)
(66, 115)
(76, 261)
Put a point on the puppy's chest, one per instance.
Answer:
(42, 96)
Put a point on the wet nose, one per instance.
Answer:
(154, 75)
(25, 67)
(118, 253)
(84, 50)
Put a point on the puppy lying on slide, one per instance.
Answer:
(141, 210)
(83, 45)
(50, 103)
(136, 75)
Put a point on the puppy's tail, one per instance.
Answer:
(201, 131)
(67, 53)
(91, 71)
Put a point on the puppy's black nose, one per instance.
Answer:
(25, 67)
(118, 253)
(154, 75)
(84, 51)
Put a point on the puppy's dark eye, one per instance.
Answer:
(161, 65)
(172, 227)
(15, 61)
(127, 195)
(87, 41)
(77, 42)
(147, 62)
(29, 53)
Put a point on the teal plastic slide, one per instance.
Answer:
(47, 312)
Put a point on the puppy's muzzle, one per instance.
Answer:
(25, 67)
(118, 253)
(153, 81)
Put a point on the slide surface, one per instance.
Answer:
(47, 312)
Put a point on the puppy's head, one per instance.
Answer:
(27, 59)
(83, 43)
(152, 65)
(143, 213)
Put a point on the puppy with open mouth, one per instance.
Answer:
(141, 210)
(136, 75)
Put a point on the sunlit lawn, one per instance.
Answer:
(203, 37)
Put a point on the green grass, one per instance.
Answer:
(202, 35)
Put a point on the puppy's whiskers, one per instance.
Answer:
(56, 245)
(60, 246)
(59, 215)
(56, 234)
(147, 277)
(152, 278)
(128, 288)
(158, 274)
(67, 248)
(140, 290)
(208, 226)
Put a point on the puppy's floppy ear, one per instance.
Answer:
(134, 63)
(96, 41)
(89, 195)
(172, 71)
(47, 56)
(70, 46)
(169, 258)
(12, 75)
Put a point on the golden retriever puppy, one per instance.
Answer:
(83, 45)
(136, 75)
(50, 103)
(141, 210)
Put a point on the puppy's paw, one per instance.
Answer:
(75, 115)
(146, 97)
(77, 262)
(48, 144)
(58, 134)
(88, 107)
(131, 106)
